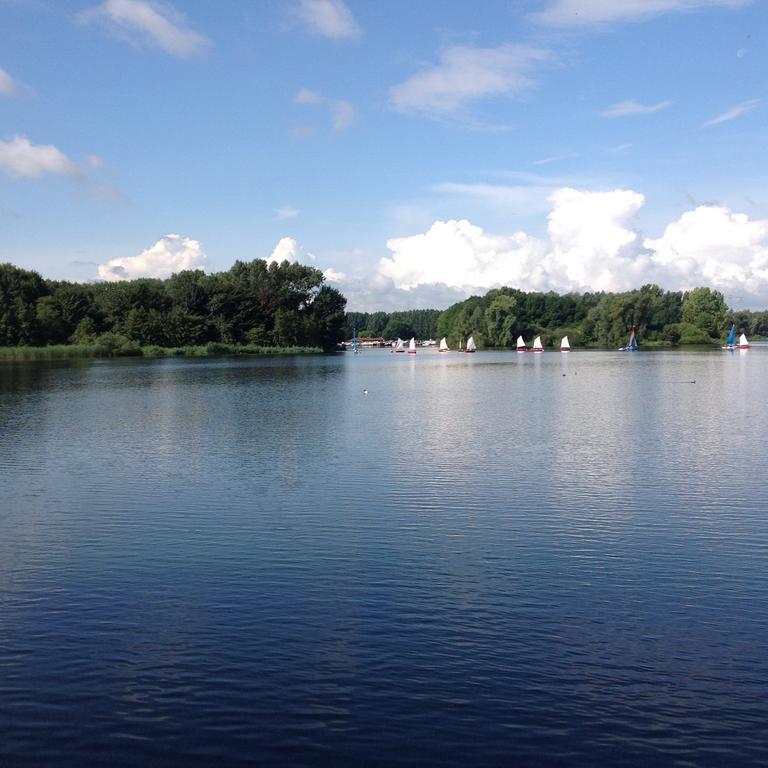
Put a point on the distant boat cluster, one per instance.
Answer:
(399, 346)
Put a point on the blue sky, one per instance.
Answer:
(415, 151)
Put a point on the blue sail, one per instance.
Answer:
(631, 345)
(731, 340)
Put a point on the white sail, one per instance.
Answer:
(521, 344)
(537, 345)
(412, 346)
(471, 346)
(743, 343)
(565, 345)
(400, 345)
(443, 345)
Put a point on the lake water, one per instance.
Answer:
(489, 559)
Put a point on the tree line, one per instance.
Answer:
(254, 303)
(288, 305)
(421, 323)
(601, 319)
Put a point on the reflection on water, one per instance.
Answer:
(487, 559)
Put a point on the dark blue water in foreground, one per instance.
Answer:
(495, 559)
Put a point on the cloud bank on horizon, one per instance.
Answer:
(592, 244)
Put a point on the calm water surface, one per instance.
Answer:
(489, 559)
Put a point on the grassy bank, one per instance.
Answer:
(66, 351)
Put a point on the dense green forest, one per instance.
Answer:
(253, 303)
(699, 316)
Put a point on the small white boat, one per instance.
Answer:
(743, 343)
(399, 346)
(565, 345)
(537, 347)
(521, 344)
(412, 346)
(471, 346)
(443, 345)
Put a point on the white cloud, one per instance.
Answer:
(289, 249)
(460, 255)
(307, 96)
(711, 245)
(630, 107)
(530, 196)
(465, 74)
(149, 21)
(20, 158)
(8, 85)
(552, 159)
(573, 13)
(327, 18)
(733, 112)
(342, 112)
(286, 212)
(332, 276)
(592, 243)
(172, 253)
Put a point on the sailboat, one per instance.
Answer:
(631, 345)
(443, 345)
(354, 341)
(565, 345)
(730, 342)
(537, 347)
(412, 346)
(743, 343)
(399, 346)
(471, 346)
(521, 344)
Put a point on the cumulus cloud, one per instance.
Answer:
(465, 74)
(711, 245)
(733, 112)
(172, 253)
(148, 21)
(571, 13)
(289, 249)
(342, 112)
(592, 243)
(630, 107)
(327, 18)
(8, 85)
(20, 158)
